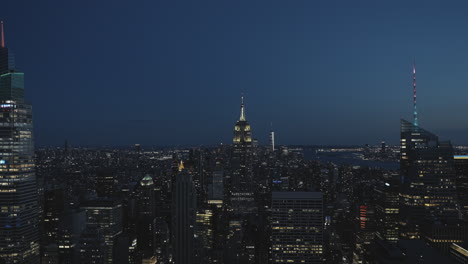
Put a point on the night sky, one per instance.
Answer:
(171, 72)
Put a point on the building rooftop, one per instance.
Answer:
(297, 195)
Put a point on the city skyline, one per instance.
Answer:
(309, 68)
(302, 97)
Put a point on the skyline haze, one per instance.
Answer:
(171, 73)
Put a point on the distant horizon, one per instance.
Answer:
(187, 146)
(321, 72)
(85, 130)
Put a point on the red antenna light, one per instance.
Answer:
(2, 36)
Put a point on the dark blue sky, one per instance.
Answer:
(171, 72)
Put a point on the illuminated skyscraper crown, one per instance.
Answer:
(242, 128)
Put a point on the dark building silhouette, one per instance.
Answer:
(105, 182)
(184, 217)
(107, 215)
(461, 168)
(146, 216)
(297, 227)
(92, 247)
(54, 207)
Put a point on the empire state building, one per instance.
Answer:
(241, 162)
(19, 237)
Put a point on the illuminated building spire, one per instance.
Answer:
(181, 165)
(2, 43)
(415, 113)
(242, 115)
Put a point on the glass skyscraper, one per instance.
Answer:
(19, 231)
(428, 183)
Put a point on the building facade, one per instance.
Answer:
(184, 218)
(428, 190)
(241, 163)
(297, 227)
(107, 215)
(19, 229)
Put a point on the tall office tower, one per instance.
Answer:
(241, 162)
(461, 167)
(92, 247)
(162, 240)
(428, 177)
(428, 183)
(19, 217)
(297, 227)
(388, 208)
(233, 242)
(204, 235)
(146, 215)
(184, 214)
(216, 188)
(70, 229)
(364, 234)
(105, 184)
(272, 140)
(107, 215)
(54, 207)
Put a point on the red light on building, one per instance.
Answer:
(363, 216)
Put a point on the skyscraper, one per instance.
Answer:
(461, 168)
(92, 247)
(297, 227)
(388, 208)
(204, 235)
(184, 217)
(107, 215)
(428, 177)
(241, 162)
(19, 231)
(105, 182)
(146, 215)
(216, 188)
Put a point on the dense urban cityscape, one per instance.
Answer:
(241, 202)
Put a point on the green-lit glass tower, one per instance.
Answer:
(19, 231)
